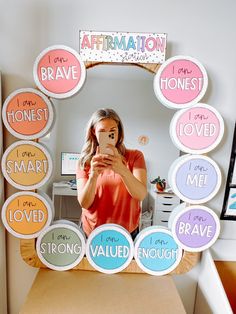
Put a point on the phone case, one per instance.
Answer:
(105, 138)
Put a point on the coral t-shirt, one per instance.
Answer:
(113, 203)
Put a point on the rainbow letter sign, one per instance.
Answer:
(122, 47)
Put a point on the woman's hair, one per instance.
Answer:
(91, 143)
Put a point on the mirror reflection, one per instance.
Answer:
(128, 90)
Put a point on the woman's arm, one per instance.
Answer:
(136, 182)
(86, 187)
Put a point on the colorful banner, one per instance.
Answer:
(122, 47)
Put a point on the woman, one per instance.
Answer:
(110, 186)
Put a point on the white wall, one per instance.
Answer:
(3, 287)
(202, 29)
(138, 108)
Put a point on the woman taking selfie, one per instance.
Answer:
(111, 184)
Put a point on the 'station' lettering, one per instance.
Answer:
(119, 251)
(38, 166)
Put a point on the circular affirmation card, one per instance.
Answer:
(61, 246)
(198, 129)
(194, 178)
(27, 114)
(196, 228)
(26, 214)
(180, 82)
(26, 165)
(156, 251)
(59, 71)
(109, 248)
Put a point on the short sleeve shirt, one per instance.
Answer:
(113, 203)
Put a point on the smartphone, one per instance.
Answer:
(105, 138)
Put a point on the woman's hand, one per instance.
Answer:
(115, 162)
(97, 165)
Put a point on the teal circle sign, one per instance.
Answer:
(109, 248)
(61, 247)
(156, 251)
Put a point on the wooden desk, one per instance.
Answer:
(86, 292)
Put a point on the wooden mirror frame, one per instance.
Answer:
(28, 247)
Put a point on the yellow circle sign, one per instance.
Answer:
(26, 165)
(26, 214)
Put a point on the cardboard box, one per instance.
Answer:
(92, 292)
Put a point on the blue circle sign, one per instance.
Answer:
(109, 248)
(156, 251)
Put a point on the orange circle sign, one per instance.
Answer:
(26, 165)
(26, 214)
(27, 113)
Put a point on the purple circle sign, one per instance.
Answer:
(196, 228)
(195, 178)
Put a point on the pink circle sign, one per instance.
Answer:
(180, 82)
(59, 71)
(197, 130)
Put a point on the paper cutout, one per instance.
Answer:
(156, 252)
(180, 82)
(59, 71)
(27, 114)
(196, 228)
(197, 130)
(26, 214)
(26, 165)
(109, 248)
(61, 246)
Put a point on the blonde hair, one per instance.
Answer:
(91, 143)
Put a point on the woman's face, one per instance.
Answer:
(106, 125)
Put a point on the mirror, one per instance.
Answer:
(128, 89)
